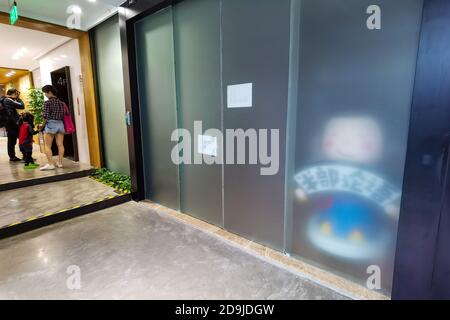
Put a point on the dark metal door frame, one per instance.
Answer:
(421, 260)
(73, 136)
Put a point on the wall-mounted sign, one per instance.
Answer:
(14, 14)
(240, 96)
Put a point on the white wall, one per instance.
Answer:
(37, 81)
(69, 55)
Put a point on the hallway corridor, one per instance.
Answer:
(131, 252)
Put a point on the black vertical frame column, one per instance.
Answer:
(422, 258)
(131, 105)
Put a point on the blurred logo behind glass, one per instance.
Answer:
(351, 206)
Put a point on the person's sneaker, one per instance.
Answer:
(59, 165)
(48, 167)
(31, 166)
(15, 159)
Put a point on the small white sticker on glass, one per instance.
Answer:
(240, 96)
(207, 145)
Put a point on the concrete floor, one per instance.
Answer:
(13, 172)
(130, 252)
(20, 204)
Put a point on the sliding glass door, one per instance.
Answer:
(157, 100)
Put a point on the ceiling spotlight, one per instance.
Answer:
(20, 53)
(92, 0)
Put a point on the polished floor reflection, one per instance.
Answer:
(131, 252)
(14, 172)
(20, 204)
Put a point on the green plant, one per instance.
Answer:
(115, 180)
(36, 102)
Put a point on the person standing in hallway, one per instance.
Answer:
(26, 139)
(53, 127)
(12, 103)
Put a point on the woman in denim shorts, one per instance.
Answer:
(54, 111)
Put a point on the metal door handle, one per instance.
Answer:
(128, 118)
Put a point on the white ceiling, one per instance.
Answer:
(55, 11)
(20, 46)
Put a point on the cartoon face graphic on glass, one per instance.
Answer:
(357, 140)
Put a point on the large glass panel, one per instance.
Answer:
(197, 60)
(157, 99)
(111, 95)
(256, 39)
(354, 97)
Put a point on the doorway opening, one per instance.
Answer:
(31, 60)
(36, 54)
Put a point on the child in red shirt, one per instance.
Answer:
(26, 139)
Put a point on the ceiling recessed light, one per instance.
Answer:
(92, 0)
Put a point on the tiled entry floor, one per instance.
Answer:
(14, 172)
(132, 252)
(24, 203)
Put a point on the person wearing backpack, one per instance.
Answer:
(9, 106)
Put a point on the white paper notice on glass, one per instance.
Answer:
(207, 145)
(240, 95)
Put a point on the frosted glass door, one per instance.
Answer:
(197, 59)
(255, 38)
(111, 95)
(157, 100)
